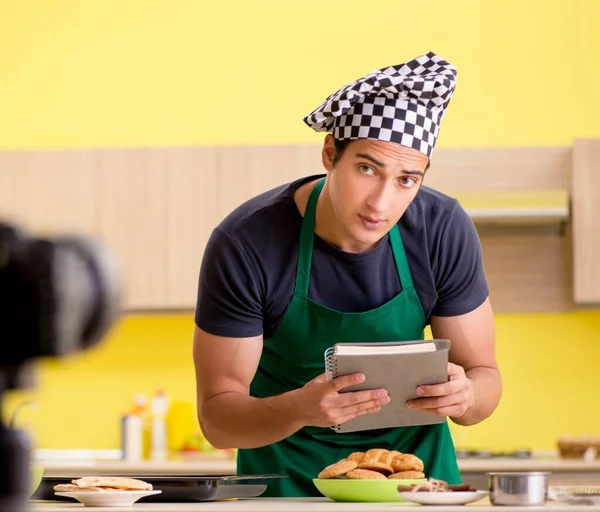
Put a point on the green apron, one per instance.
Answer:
(294, 355)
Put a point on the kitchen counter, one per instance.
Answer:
(297, 505)
(562, 471)
(221, 466)
(532, 464)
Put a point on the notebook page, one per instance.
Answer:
(342, 350)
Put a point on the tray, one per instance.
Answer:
(179, 488)
(575, 494)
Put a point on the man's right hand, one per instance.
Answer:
(322, 405)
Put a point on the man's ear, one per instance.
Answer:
(328, 152)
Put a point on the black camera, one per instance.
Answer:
(58, 295)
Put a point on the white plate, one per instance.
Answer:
(443, 498)
(107, 498)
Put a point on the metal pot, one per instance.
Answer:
(518, 488)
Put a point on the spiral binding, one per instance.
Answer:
(330, 363)
(331, 372)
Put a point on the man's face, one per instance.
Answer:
(370, 187)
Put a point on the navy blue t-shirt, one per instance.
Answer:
(249, 265)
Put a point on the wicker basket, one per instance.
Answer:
(577, 447)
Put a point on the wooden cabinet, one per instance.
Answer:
(586, 221)
(132, 220)
(153, 209)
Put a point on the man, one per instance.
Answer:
(365, 254)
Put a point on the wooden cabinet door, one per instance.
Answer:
(586, 221)
(193, 210)
(156, 210)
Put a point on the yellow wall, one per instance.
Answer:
(77, 73)
(175, 72)
(549, 364)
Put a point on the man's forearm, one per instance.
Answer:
(235, 420)
(487, 389)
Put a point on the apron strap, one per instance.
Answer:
(400, 257)
(306, 247)
(306, 242)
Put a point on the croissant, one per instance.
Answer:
(406, 462)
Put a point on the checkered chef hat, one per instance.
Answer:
(403, 104)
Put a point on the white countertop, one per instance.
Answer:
(296, 505)
(220, 466)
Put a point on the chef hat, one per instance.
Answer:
(403, 104)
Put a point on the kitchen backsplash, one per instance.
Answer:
(549, 362)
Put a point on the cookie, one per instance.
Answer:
(374, 454)
(364, 474)
(387, 457)
(380, 467)
(406, 462)
(114, 482)
(356, 457)
(75, 488)
(407, 475)
(338, 469)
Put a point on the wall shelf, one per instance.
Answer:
(528, 206)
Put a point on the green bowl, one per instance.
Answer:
(35, 478)
(346, 489)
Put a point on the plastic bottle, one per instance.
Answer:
(142, 409)
(132, 427)
(158, 409)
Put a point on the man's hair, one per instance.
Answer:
(341, 145)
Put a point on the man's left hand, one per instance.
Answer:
(452, 398)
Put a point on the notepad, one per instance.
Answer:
(345, 349)
(399, 367)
